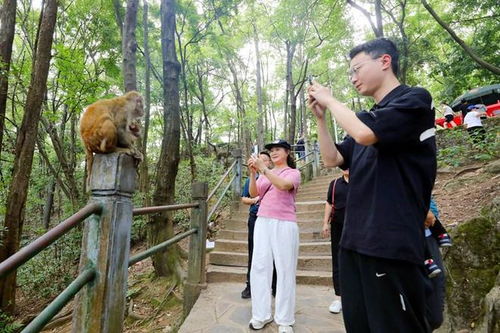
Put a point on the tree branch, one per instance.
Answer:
(465, 47)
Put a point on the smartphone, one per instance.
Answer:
(255, 150)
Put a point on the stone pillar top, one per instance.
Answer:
(113, 174)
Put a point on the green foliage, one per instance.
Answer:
(455, 147)
(53, 269)
(7, 324)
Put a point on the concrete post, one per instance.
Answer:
(100, 305)
(197, 246)
(236, 188)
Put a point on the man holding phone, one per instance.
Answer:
(391, 156)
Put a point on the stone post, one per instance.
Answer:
(197, 247)
(100, 305)
(237, 154)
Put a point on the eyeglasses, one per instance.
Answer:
(355, 69)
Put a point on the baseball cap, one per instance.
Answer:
(278, 143)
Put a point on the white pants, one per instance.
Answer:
(278, 240)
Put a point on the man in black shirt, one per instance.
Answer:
(391, 156)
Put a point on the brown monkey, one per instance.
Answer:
(112, 125)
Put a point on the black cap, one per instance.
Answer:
(278, 143)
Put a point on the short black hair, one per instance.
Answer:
(378, 47)
(264, 152)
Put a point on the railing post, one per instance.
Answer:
(237, 154)
(197, 247)
(100, 305)
(315, 163)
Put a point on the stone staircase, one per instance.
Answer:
(228, 260)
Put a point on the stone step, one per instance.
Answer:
(241, 246)
(312, 197)
(302, 206)
(243, 214)
(305, 263)
(219, 274)
(242, 234)
(311, 222)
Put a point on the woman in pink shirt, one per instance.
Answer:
(276, 236)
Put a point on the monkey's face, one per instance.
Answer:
(135, 128)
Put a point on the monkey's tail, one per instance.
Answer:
(89, 156)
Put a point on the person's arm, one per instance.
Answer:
(329, 153)
(252, 188)
(346, 118)
(326, 220)
(250, 201)
(279, 182)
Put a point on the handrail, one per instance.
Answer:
(221, 180)
(32, 249)
(158, 209)
(306, 155)
(214, 208)
(306, 164)
(160, 247)
(37, 324)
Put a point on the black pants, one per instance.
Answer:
(251, 226)
(437, 229)
(335, 235)
(435, 288)
(382, 295)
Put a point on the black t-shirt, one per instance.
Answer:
(390, 182)
(340, 198)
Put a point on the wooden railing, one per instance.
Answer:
(101, 284)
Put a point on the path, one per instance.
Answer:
(220, 309)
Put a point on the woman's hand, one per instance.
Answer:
(251, 166)
(257, 163)
(325, 232)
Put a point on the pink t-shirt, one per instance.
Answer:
(276, 203)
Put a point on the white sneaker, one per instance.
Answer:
(335, 307)
(255, 324)
(285, 329)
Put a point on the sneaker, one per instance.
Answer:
(285, 329)
(335, 307)
(255, 324)
(246, 292)
(432, 269)
(444, 240)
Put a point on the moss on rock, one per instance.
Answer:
(472, 264)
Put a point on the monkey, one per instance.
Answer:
(112, 125)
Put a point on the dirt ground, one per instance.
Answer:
(461, 193)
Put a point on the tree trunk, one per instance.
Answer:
(117, 4)
(129, 46)
(7, 28)
(188, 117)
(260, 113)
(378, 18)
(378, 27)
(162, 226)
(290, 92)
(143, 169)
(245, 140)
(49, 202)
(25, 144)
(465, 47)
